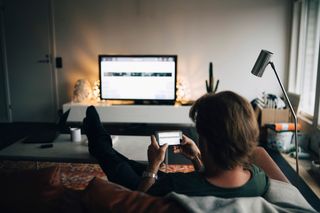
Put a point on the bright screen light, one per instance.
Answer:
(138, 77)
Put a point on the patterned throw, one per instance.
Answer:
(77, 175)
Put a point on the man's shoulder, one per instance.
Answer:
(258, 175)
(190, 176)
(255, 169)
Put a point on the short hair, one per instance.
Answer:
(228, 124)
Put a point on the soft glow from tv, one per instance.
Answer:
(137, 77)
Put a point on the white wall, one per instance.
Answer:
(230, 33)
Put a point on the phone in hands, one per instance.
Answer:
(169, 137)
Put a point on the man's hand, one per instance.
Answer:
(156, 155)
(191, 151)
(188, 148)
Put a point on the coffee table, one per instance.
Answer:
(63, 150)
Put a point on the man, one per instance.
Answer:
(228, 133)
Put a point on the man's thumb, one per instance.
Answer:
(164, 147)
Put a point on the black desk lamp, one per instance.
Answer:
(258, 69)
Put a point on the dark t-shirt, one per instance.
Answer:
(194, 184)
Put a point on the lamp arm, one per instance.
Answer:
(284, 91)
(293, 113)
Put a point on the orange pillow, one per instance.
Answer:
(34, 190)
(103, 196)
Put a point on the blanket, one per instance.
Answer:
(280, 197)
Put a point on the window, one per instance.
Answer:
(304, 58)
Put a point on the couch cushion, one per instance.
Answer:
(285, 194)
(71, 201)
(104, 196)
(35, 190)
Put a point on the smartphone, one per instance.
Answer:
(169, 137)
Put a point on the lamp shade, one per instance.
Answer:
(261, 63)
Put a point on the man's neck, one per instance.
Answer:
(232, 178)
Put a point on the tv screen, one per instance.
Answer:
(141, 78)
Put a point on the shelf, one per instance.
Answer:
(151, 114)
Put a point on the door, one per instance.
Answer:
(30, 72)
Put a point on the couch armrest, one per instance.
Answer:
(261, 158)
(285, 194)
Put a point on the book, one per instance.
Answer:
(283, 126)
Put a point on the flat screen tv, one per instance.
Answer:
(144, 79)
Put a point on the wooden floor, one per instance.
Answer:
(305, 172)
(294, 179)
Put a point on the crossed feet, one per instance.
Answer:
(99, 140)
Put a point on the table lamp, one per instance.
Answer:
(258, 69)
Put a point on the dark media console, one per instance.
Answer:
(153, 102)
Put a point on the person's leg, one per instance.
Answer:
(138, 167)
(117, 167)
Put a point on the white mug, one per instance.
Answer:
(75, 134)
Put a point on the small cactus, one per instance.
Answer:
(211, 88)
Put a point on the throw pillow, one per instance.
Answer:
(103, 196)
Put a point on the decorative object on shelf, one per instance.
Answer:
(82, 91)
(180, 90)
(96, 91)
(182, 93)
(263, 60)
(211, 86)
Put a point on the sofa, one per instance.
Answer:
(41, 191)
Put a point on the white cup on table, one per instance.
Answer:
(75, 134)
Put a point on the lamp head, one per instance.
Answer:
(261, 63)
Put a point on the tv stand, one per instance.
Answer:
(150, 114)
(146, 102)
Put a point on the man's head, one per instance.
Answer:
(227, 128)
